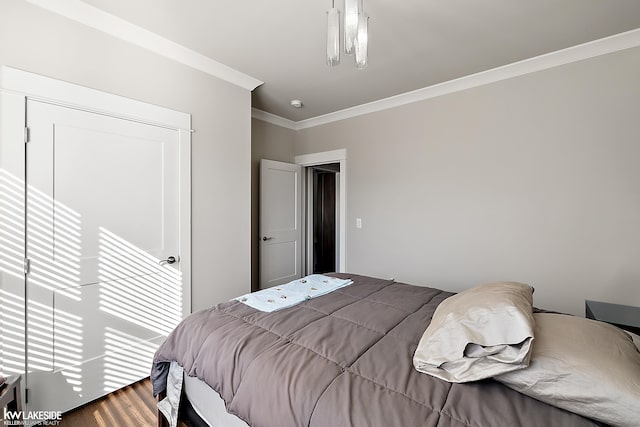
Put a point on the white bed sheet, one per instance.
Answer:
(209, 405)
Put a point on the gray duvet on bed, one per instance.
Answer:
(342, 359)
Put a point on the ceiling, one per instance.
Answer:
(412, 43)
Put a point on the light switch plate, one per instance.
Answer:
(358, 222)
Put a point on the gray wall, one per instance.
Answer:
(44, 43)
(533, 179)
(273, 143)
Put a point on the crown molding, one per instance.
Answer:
(91, 16)
(273, 119)
(606, 45)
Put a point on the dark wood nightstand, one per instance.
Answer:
(11, 396)
(623, 316)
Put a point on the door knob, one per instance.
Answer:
(265, 238)
(170, 260)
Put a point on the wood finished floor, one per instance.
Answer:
(132, 406)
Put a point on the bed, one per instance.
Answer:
(341, 359)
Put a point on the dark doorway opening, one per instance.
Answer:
(324, 217)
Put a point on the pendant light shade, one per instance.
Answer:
(362, 40)
(333, 37)
(356, 33)
(351, 10)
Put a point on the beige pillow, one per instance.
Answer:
(478, 333)
(584, 366)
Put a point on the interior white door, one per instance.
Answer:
(280, 223)
(102, 213)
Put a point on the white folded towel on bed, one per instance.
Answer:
(295, 292)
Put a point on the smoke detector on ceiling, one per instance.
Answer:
(296, 103)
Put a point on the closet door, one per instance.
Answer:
(102, 215)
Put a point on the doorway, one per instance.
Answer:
(324, 191)
(320, 161)
(305, 163)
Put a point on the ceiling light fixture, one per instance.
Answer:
(356, 37)
(351, 11)
(362, 40)
(333, 36)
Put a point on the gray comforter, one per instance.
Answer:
(343, 359)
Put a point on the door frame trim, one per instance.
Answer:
(324, 157)
(64, 94)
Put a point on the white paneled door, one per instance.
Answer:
(102, 227)
(280, 223)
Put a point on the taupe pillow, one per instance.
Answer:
(584, 366)
(479, 333)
